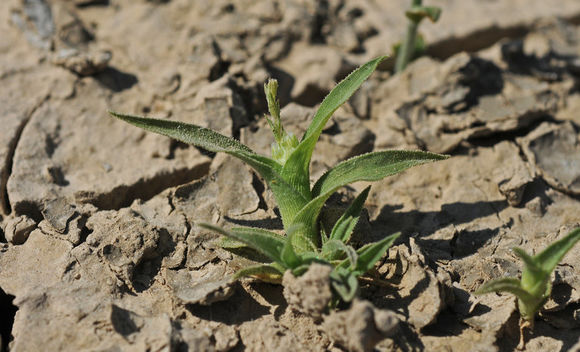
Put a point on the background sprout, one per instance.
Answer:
(287, 173)
(406, 51)
(534, 288)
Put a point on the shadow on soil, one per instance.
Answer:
(116, 80)
(427, 222)
(7, 320)
(241, 307)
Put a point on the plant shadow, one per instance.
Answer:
(422, 224)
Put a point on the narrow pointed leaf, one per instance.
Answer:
(553, 254)
(371, 167)
(344, 283)
(366, 167)
(528, 260)
(253, 230)
(288, 198)
(289, 256)
(308, 216)
(507, 284)
(344, 227)
(302, 240)
(243, 250)
(371, 253)
(339, 95)
(323, 234)
(264, 272)
(296, 169)
(187, 133)
(335, 249)
(534, 278)
(258, 239)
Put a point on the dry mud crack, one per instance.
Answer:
(99, 247)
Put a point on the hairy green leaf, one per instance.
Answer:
(371, 253)
(366, 167)
(289, 256)
(266, 272)
(296, 170)
(335, 249)
(371, 167)
(339, 95)
(187, 133)
(528, 260)
(288, 198)
(344, 283)
(534, 278)
(507, 284)
(553, 254)
(344, 227)
(263, 241)
(242, 250)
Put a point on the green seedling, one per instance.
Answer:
(414, 43)
(287, 173)
(534, 288)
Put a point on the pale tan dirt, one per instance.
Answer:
(99, 244)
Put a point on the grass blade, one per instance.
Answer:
(371, 167)
(344, 227)
(260, 240)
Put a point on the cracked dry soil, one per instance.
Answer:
(99, 250)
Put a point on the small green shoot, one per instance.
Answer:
(534, 288)
(409, 48)
(287, 173)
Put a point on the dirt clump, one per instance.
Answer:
(360, 327)
(309, 293)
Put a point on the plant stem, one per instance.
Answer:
(407, 49)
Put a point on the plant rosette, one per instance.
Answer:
(287, 173)
(534, 288)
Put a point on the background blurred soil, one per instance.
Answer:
(99, 250)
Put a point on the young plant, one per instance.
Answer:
(534, 288)
(408, 49)
(287, 173)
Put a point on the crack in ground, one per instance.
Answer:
(122, 196)
(9, 162)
